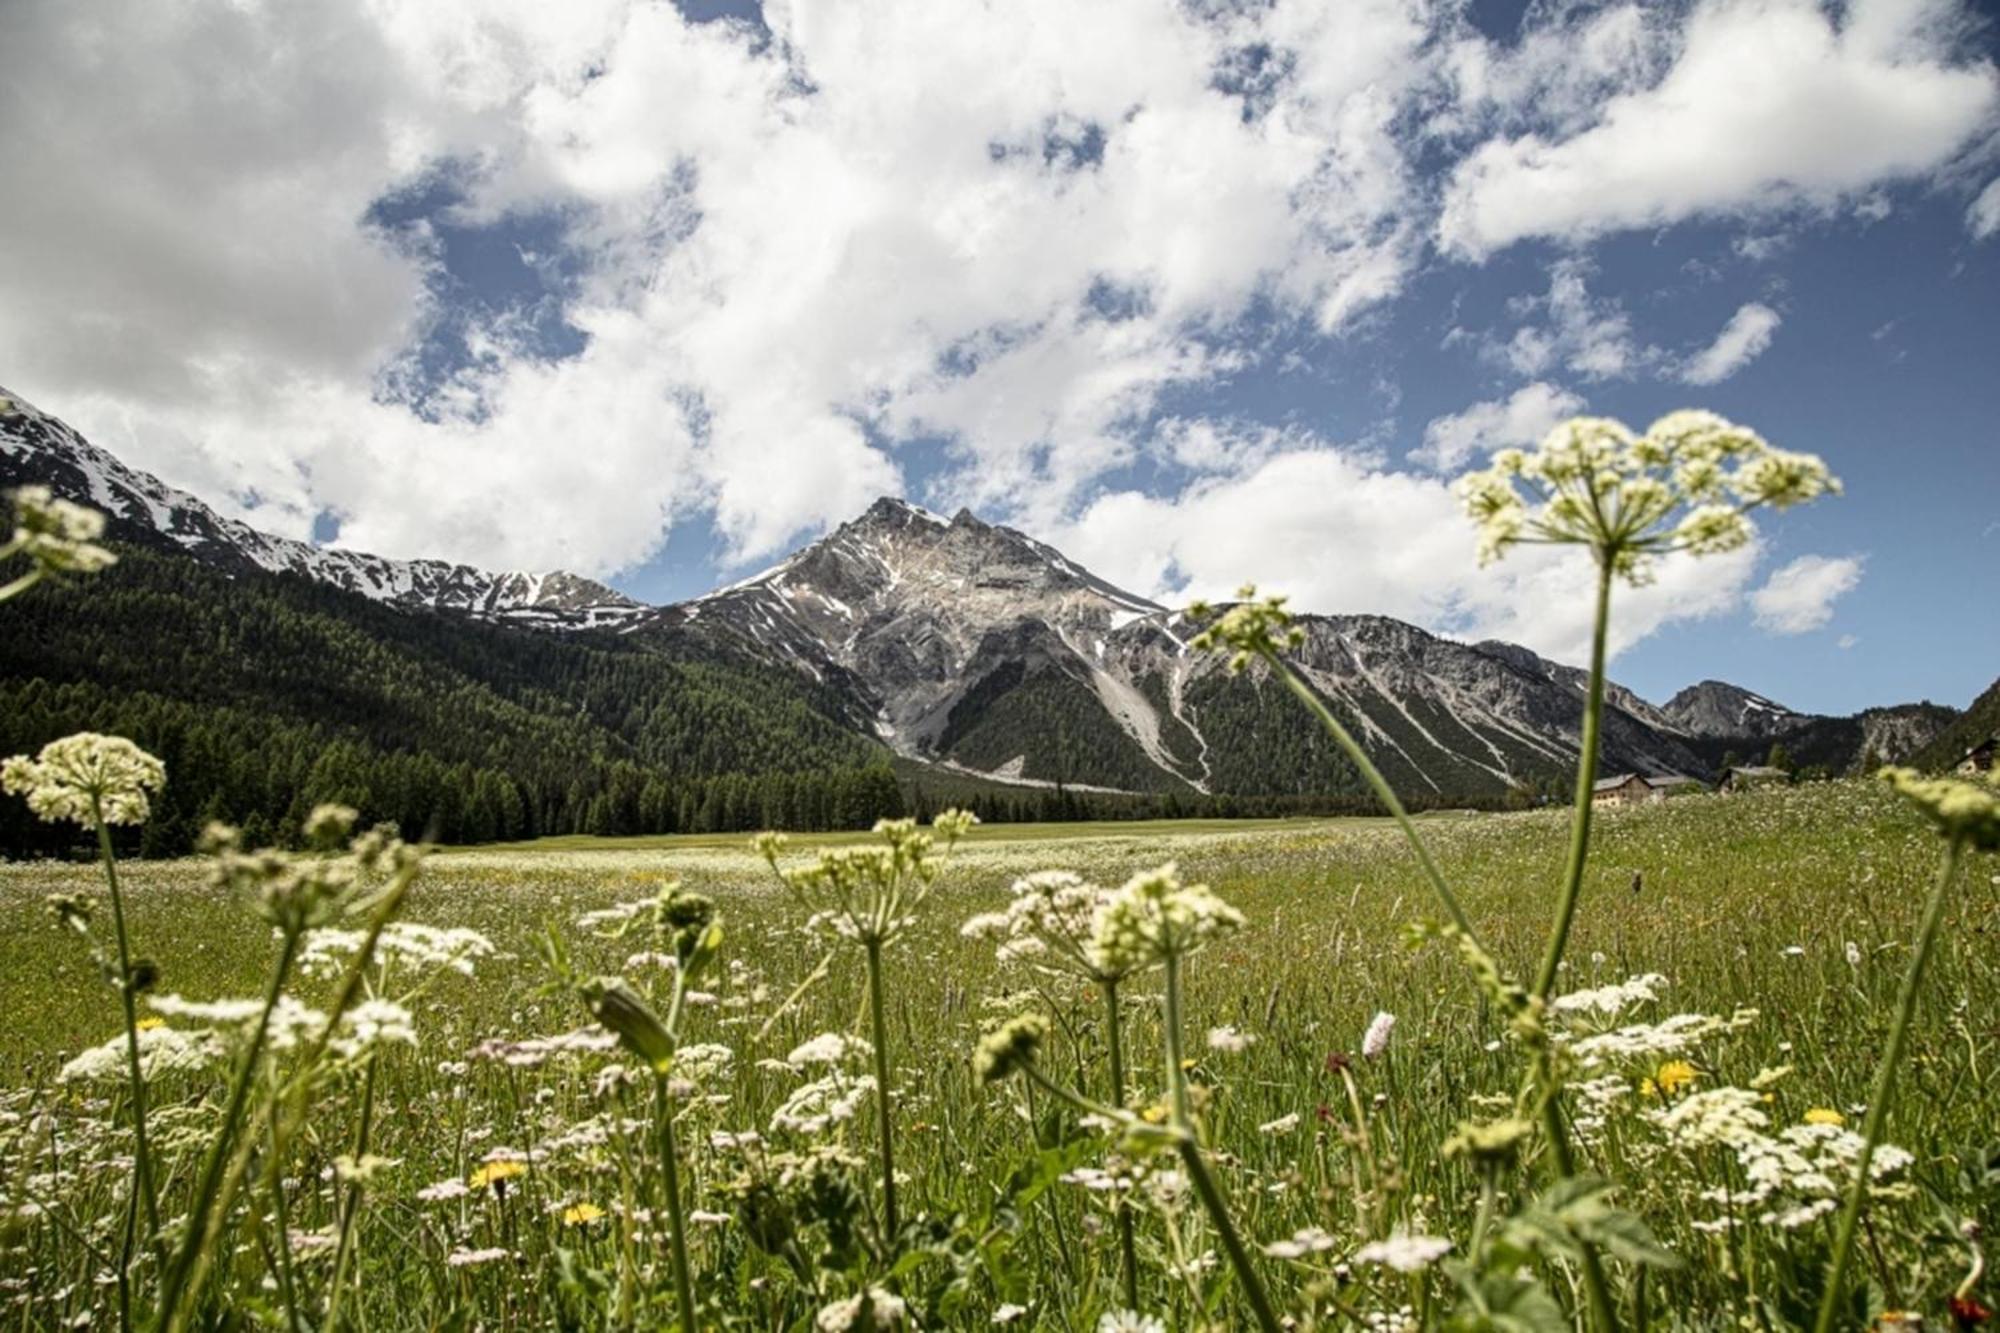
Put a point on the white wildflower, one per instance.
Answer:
(873, 1308)
(1309, 1240)
(1153, 917)
(821, 1104)
(1129, 1321)
(1284, 1124)
(1376, 1040)
(1404, 1252)
(1613, 999)
(828, 1048)
(74, 778)
(161, 1051)
(1229, 1040)
(464, 1258)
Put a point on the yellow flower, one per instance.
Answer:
(1672, 1076)
(1154, 1114)
(1186, 1065)
(1824, 1115)
(149, 1022)
(578, 1214)
(497, 1173)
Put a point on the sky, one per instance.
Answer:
(1201, 293)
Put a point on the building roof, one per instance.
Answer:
(1757, 771)
(1613, 783)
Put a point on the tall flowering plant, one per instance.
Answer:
(1690, 484)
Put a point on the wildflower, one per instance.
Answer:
(1376, 1040)
(148, 1023)
(442, 1191)
(1613, 999)
(1310, 1240)
(1284, 1124)
(57, 535)
(1154, 916)
(874, 1308)
(1404, 1252)
(828, 1048)
(80, 777)
(1129, 1321)
(1251, 628)
(401, 942)
(1824, 1115)
(817, 1106)
(162, 1050)
(1688, 484)
(581, 1214)
(1007, 1312)
(464, 1258)
(1229, 1040)
(1969, 811)
(496, 1174)
(1672, 1076)
(1009, 1048)
(373, 1024)
(1853, 954)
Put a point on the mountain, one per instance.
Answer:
(973, 646)
(969, 650)
(1715, 708)
(36, 447)
(1979, 722)
(1727, 723)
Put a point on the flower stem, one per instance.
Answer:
(1884, 1090)
(879, 1024)
(1114, 1041)
(1383, 793)
(670, 1168)
(1586, 784)
(1232, 1243)
(142, 1179)
(345, 1249)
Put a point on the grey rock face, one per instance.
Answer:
(1715, 708)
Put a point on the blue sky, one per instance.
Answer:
(1200, 293)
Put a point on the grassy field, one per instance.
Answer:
(1795, 904)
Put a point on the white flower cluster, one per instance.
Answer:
(828, 1048)
(1403, 1252)
(1643, 1041)
(816, 1107)
(1795, 1175)
(56, 534)
(1687, 484)
(874, 1308)
(1375, 1041)
(401, 942)
(1048, 924)
(1610, 1001)
(1154, 917)
(76, 777)
(372, 1025)
(161, 1051)
(291, 1021)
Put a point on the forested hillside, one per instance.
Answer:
(265, 694)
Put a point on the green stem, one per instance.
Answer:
(1586, 784)
(1114, 1040)
(1596, 1287)
(1176, 1076)
(670, 1168)
(1232, 1243)
(142, 1179)
(879, 1024)
(1884, 1090)
(203, 1213)
(1383, 793)
(344, 1249)
(287, 1280)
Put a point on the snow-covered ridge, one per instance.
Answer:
(36, 447)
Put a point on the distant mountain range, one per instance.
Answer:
(971, 650)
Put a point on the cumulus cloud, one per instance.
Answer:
(1742, 340)
(787, 251)
(1799, 596)
(1766, 103)
(1521, 419)
(1587, 334)
(1339, 531)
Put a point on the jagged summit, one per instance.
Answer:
(1717, 708)
(36, 447)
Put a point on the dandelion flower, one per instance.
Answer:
(581, 1214)
(496, 1174)
(1673, 1076)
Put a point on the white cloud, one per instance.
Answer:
(1799, 596)
(1983, 218)
(1589, 335)
(795, 252)
(1741, 341)
(1520, 419)
(1766, 103)
(1340, 532)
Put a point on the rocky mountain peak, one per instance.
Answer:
(1717, 708)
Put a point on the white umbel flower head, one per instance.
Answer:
(1129, 1321)
(79, 776)
(56, 534)
(874, 1308)
(1688, 484)
(1403, 1252)
(1154, 917)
